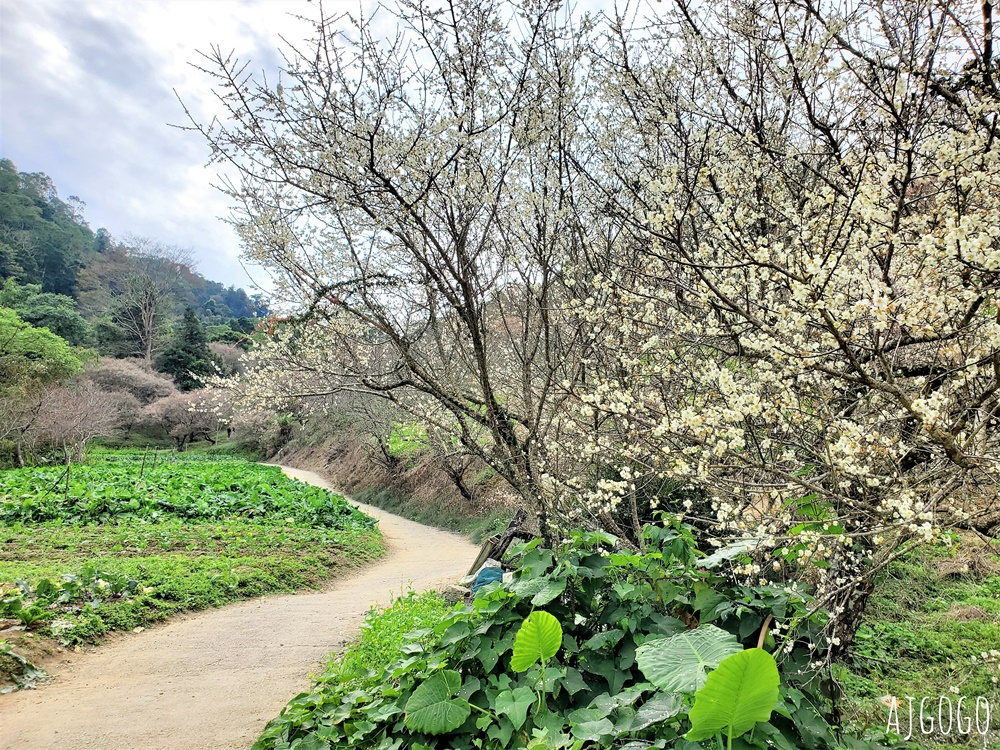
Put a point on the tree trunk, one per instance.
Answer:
(457, 478)
(854, 601)
(463, 490)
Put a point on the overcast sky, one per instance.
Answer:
(87, 96)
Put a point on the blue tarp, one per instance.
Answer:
(486, 575)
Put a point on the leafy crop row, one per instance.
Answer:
(190, 490)
(130, 540)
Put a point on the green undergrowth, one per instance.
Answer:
(126, 544)
(932, 629)
(441, 514)
(384, 632)
(175, 566)
(587, 648)
(135, 441)
(407, 439)
(17, 669)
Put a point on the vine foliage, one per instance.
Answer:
(570, 655)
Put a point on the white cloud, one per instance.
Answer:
(87, 96)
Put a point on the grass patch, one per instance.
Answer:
(384, 632)
(132, 441)
(129, 545)
(931, 626)
(407, 439)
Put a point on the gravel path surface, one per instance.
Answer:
(213, 679)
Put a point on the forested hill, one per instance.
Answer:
(103, 336)
(46, 243)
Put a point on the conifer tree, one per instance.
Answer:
(189, 357)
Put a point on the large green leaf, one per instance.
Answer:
(514, 704)
(592, 731)
(737, 695)
(529, 586)
(433, 707)
(548, 592)
(538, 639)
(677, 664)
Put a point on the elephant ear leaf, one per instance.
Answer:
(433, 707)
(737, 695)
(677, 664)
(538, 640)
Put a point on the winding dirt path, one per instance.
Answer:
(212, 680)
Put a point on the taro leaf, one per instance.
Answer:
(538, 639)
(737, 695)
(660, 707)
(514, 704)
(433, 708)
(677, 664)
(548, 592)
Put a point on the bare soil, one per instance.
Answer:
(212, 680)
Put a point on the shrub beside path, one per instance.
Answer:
(213, 679)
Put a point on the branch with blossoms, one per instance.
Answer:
(805, 323)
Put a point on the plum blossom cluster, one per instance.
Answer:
(804, 302)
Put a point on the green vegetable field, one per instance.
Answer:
(129, 539)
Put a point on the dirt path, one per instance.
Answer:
(214, 679)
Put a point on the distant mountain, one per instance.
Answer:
(45, 240)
